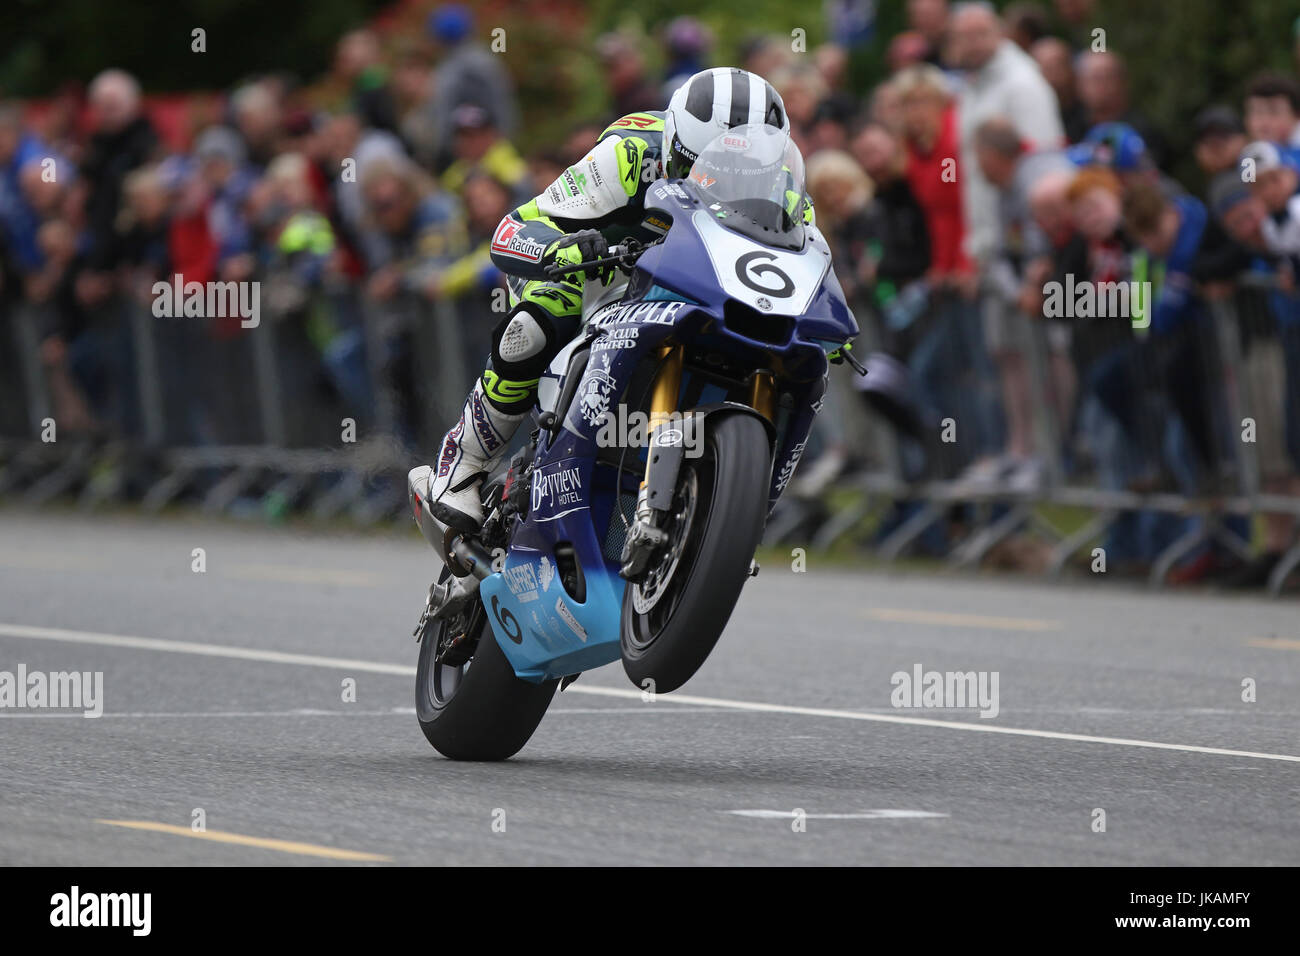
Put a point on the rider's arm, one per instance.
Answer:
(587, 195)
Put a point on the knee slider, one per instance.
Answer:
(522, 338)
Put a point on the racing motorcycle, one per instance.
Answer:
(600, 544)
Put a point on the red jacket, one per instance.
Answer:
(939, 196)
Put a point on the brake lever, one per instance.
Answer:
(616, 258)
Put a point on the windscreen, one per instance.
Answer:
(751, 179)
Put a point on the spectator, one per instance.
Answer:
(841, 193)
(1001, 80)
(260, 121)
(1049, 207)
(929, 123)
(1122, 150)
(467, 72)
(224, 170)
(122, 140)
(832, 62)
(624, 72)
(887, 107)
(802, 90)
(348, 149)
(358, 63)
(929, 18)
(950, 363)
(545, 166)
(19, 222)
(1056, 63)
(898, 258)
(1220, 138)
(1076, 21)
(1179, 349)
(479, 144)
(1012, 171)
(412, 96)
(905, 49)
(1104, 92)
(413, 233)
(1026, 24)
(1276, 180)
(765, 55)
(1267, 361)
(1272, 109)
(414, 229)
(687, 42)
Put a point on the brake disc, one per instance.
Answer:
(647, 593)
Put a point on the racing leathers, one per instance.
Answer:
(596, 203)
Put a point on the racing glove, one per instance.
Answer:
(581, 246)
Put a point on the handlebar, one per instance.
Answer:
(619, 256)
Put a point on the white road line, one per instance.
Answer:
(207, 650)
(862, 815)
(630, 693)
(308, 712)
(141, 715)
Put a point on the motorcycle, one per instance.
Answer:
(599, 545)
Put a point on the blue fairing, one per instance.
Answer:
(677, 291)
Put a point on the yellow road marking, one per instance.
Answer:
(1277, 643)
(291, 574)
(39, 561)
(283, 846)
(905, 616)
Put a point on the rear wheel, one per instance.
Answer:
(674, 617)
(469, 702)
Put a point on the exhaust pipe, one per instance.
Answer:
(472, 557)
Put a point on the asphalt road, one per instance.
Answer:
(223, 694)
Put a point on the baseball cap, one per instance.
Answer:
(1119, 146)
(1226, 191)
(1217, 121)
(449, 24)
(1268, 156)
(220, 142)
(470, 116)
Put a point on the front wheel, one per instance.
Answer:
(675, 615)
(474, 707)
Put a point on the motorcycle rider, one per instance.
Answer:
(597, 202)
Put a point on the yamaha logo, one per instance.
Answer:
(764, 303)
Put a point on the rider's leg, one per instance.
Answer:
(545, 316)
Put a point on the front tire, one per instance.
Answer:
(668, 642)
(478, 710)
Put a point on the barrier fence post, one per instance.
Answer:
(34, 383)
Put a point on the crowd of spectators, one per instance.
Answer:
(1003, 153)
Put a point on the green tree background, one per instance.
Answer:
(1182, 54)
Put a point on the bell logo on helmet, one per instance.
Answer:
(717, 100)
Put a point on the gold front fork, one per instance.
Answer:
(762, 395)
(668, 382)
(663, 402)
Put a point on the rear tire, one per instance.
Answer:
(668, 644)
(480, 710)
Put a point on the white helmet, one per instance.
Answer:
(710, 102)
